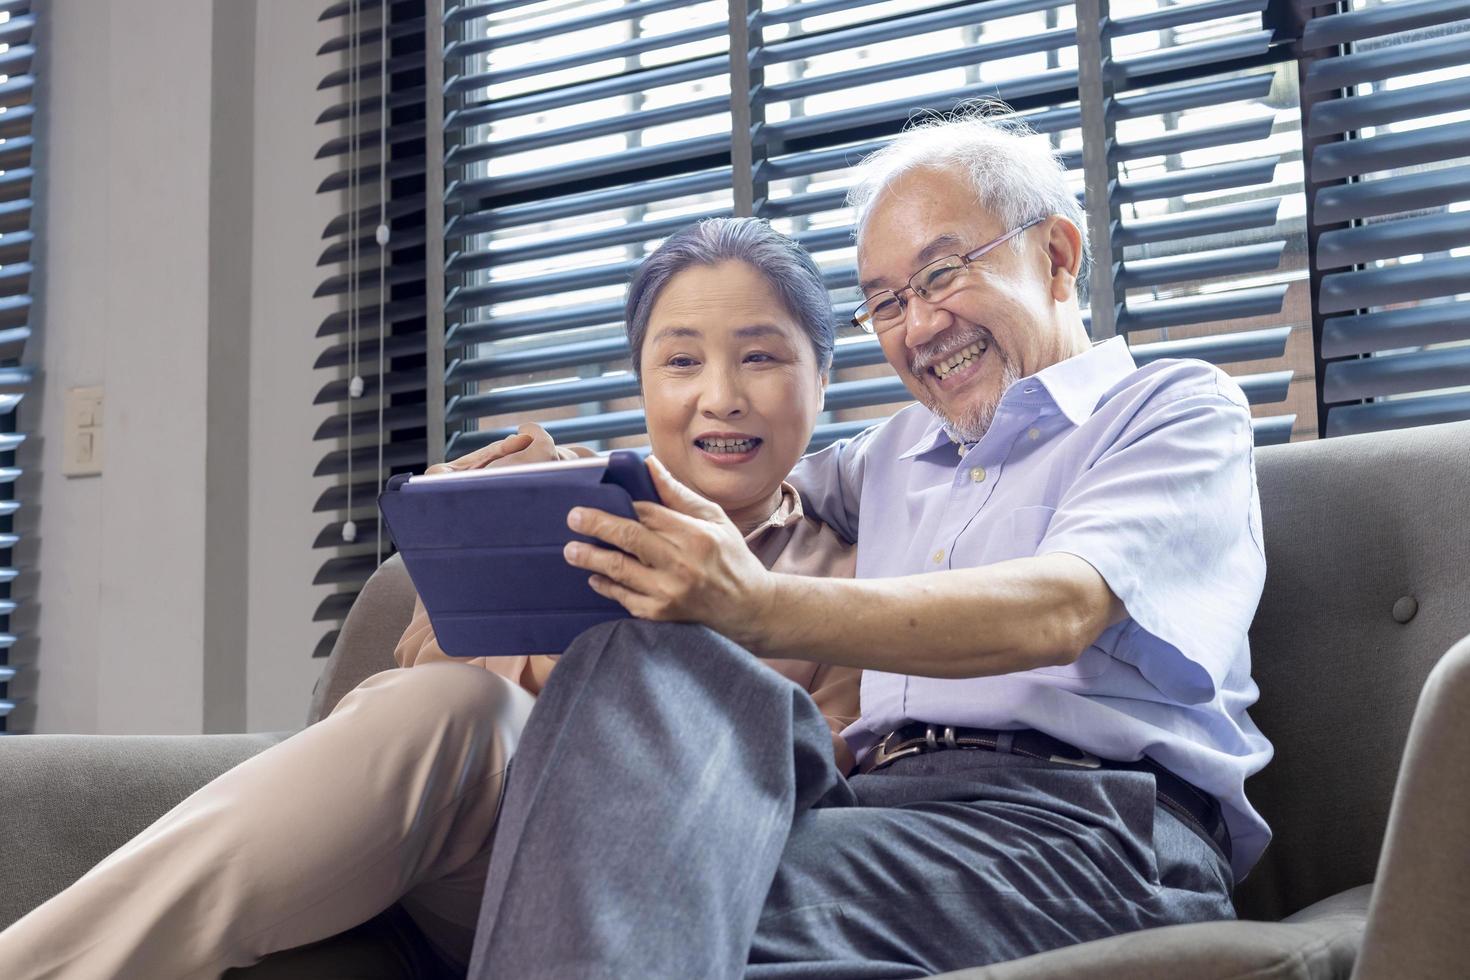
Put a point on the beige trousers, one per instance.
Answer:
(391, 797)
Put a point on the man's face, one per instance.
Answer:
(1006, 321)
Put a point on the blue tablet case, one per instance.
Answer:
(485, 552)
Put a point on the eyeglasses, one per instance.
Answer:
(934, 283)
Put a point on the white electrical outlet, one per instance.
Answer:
(82, 441)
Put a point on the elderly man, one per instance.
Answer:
(1058, 556)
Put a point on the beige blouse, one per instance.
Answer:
(788, 542)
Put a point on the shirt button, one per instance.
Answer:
(1033, 434)
(977, 474)
(939, 555)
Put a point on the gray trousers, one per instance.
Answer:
(673, 811)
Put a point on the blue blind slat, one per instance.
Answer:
(1181, 15)
(1195, 139)
(1344, 291)
(886, 28)
(1423, 234)
(616, 15)
(1413, 326)
(1382, 108)
(1398, 413)
(1389, 150)
(1374, 22)
(1385, 195)
(462, 84)
(1397, 374)
(1200, 265)
(1371, 66)
(1207, 308)
(1230, 348)
(591, 91)
(1197, 224)
(1197, 180)
(1185, 56)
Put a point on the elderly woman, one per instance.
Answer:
(394, 796)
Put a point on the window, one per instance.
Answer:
(17, 173)
(1279, 196)
(1385, 88)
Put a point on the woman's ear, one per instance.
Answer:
(1064, 253)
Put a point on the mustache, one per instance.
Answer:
(931, 353)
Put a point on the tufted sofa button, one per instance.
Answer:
(1405, 608)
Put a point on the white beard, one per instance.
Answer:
(971, 425)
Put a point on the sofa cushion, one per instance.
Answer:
(1365, 591)
(366, 642)
(1318, 943)
(67, 801)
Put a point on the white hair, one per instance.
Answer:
(1014, 172)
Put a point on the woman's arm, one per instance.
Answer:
(835, 691)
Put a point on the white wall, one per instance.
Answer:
(180, 233)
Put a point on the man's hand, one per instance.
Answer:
(532, 444)
(685, 562)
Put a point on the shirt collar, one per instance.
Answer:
(1075, 385)
(788, 512)
(933, 436)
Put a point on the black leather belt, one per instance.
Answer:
(1199, 810)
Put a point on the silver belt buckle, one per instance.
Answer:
(1085, 761)
(882, 755)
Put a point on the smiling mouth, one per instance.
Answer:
(732, 447)
(958, 360)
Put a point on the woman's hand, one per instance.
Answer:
(684, 562)
(532, 444)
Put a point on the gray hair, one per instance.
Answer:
(1014, 173)
(792, 273)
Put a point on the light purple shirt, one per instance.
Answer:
(1145, 473)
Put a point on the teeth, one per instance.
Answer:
(732, 446)
(958, 359)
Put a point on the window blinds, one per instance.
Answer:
(1384, 104)
(575, 152)
(373, 358)
(17, 174)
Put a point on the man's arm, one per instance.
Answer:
(830, 483)
(1011, 616)
(686, 562)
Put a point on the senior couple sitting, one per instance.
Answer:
(1012, 718)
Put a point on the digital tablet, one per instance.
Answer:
(484, 549)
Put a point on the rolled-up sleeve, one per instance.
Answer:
(1168, 515)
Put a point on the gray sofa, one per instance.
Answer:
(1366, 612)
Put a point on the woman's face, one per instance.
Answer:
(730, 385)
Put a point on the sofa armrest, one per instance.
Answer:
(67, 801)
(1416, 921)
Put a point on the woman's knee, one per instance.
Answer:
(439, 693)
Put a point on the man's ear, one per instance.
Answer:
(1064, 254)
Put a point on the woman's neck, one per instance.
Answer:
(752, 516)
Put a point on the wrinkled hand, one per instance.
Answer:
(685, 562)
(532, 444)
